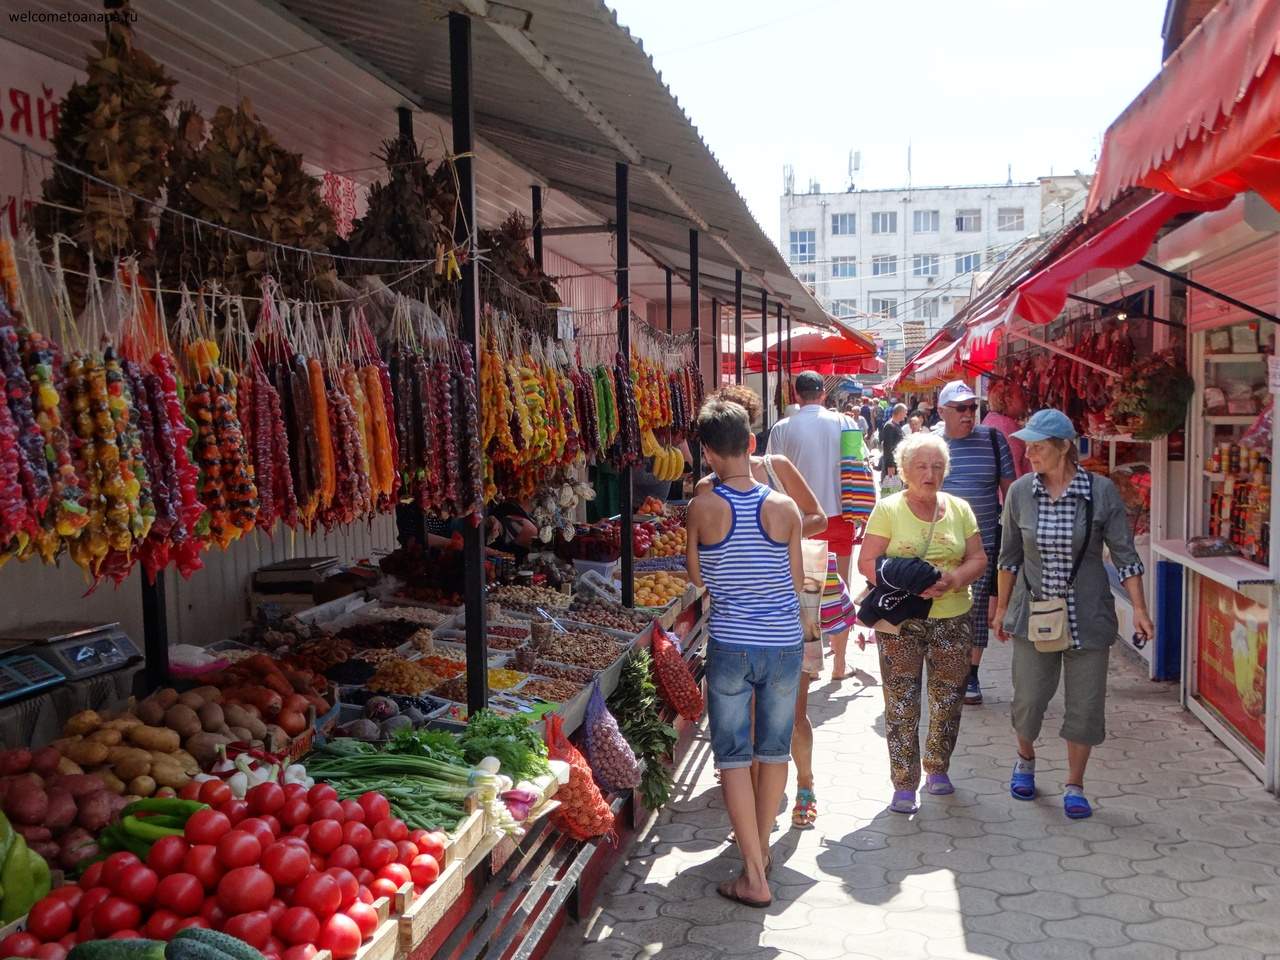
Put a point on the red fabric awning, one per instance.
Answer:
(1121, 244)
(1208, 125)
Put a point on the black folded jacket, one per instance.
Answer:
(896, 594)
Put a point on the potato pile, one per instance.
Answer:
(128, 754)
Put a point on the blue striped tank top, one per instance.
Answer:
(748, 574)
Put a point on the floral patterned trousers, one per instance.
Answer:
(944, 645)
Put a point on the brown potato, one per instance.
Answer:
(141, 786)
(134, 763)
(204, 747)
(87, 753)
(210, 694)
(114, 783)
(86, 721)
(241, 733)
(186, 761)
(157, 738)
(151, 712)
(166, 697)
(123, 723)
(238, 716)
(68, 766)
(169, 774)
(191, 699)
(106, 735)
(211, 718)
(183, 719)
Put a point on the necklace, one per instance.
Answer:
(738, 476)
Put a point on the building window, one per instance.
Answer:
(968, 263)
(925, 265)
(884, 222)
(844, 308)
(843, 224)
(925, 221)
(884, 266)
(844, 267)
(927, 309)
(885, 307)
(968, 221)
(1010, 218)
(804, 246)
(808, 278)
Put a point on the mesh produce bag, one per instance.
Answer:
(612, 760)
(583, 812)
(673, 677)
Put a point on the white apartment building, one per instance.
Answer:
(887, 257)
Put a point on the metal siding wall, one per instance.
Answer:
(1251, 275)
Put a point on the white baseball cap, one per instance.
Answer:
(957, 391)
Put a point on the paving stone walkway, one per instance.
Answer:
(1180, 860)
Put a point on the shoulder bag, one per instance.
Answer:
(1048, 625)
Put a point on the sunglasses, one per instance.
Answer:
(963, 407)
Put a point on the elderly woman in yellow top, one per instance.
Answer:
(924, 523)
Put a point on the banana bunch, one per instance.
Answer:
(668, 463)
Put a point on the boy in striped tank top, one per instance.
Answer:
(744, 546)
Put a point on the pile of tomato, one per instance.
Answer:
(290, 871)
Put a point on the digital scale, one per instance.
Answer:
(73, 651)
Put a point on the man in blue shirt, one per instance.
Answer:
(981, 471)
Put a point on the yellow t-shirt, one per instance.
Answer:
(892, 519)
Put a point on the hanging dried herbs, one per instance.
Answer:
(510, 267)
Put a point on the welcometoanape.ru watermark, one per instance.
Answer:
(74, 16)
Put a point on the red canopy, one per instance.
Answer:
(1208, 125)
(826, 350)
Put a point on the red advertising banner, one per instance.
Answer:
(1231, 667)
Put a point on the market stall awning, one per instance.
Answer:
(1121, 244)
(828, 351)
(1208, 125)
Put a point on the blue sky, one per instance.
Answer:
(973, 87)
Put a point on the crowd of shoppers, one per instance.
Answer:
(998, 529)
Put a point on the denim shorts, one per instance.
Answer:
(734, 673)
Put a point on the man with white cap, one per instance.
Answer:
(981, 471)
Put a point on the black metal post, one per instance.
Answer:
(764, 355)
(668, 271)
(155, 633)
(790, 371)
(781, 404)
(695, 326)
(737, 326)
(460, 73)
(537, 226)
(623, 235)
(1216, 294)
(718, 346)
(405, 116)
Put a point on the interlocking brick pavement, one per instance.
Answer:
(1181, 859)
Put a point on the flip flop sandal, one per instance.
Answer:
(805, 812)
(1075, 806)
(904, 801)
(938, 785)
(1022, 785)
(726, 890)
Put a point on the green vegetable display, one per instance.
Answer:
(120, 950)
(635, 705)
(24, 878)
(517, 744)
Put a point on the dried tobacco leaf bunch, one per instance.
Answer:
(240, 177)
(114, 126)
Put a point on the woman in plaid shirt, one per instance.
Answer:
(1044, 537)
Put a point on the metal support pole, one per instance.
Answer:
(764, 355)
(695, 326)
(406, 122)
(737, 326)
(1216, 294)
(460, 74)
(155, 633)
(668, 272)
(790, 371)
(781, 402)
(537, 226)
(625, 507)
(717, 347)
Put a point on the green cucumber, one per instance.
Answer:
(152, 828)
(118, 950)
(170, 806)
(231, 948)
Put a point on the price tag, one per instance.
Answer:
(564, 324)
(1273, 374)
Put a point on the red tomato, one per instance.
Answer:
(433, 843)
(50, 951)
(391, 828)
(327, 810)
(352, 810)
(286, 862)
(383, 888)
(341, 936)
(206, 827)
(303, 951)
(357, 834)
(51, 919)
(417, 835)
(19, 945)
(347, 882)
(253, 928)
(364, 876)
(320, 793)
(85, 931)
(375, 807)
(265, 798)
(68, 941)
(167, 854)
(366, 896)
(70, 893)
(183, 893)
(213, 914)
(116, 913)
(298, 925)
(236, 810)
(92, 876)
(276, 907)
(317, 863)
(296, 841)
(274, 947)
(271, 822)
(89, 902)
(293, 791)
(115, 865)
(295, 812)
(397, 873)
(191, 922)
(344, 856)
(137, 884)
(406, 850)
(246, 889)
(162, 925)
(237, 848)
(202, 862)
(424, 870)
(325, 836)
(259, 829)
(378, 854)
(366, 918)
(125, 935)
(320, 893)
(190, 791)
(215, 792)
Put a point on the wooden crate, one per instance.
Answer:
(422, 914)
(465, 838)
(384, 942)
